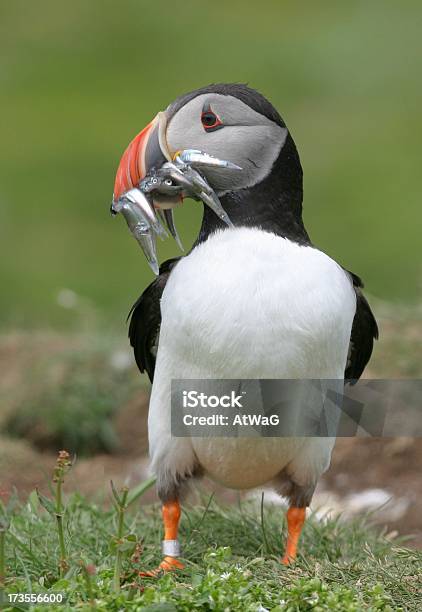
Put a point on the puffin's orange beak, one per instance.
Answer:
(146, 151)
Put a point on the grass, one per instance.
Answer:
(231, 556)
(231, 553)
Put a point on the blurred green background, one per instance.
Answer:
(79, 79)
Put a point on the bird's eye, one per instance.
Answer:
(210, 120)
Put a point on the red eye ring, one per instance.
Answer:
(210, 120)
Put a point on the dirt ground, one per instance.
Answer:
(382, 477)
(379, 476)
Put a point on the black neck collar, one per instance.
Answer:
(274, 205)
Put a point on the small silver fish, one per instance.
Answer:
(178, 178)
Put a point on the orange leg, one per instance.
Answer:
(295, 519)
(171, 517)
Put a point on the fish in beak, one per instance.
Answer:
(145, 153)
(151, 179)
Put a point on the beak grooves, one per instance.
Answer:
(129, 173)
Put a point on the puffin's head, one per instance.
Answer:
(229, 121)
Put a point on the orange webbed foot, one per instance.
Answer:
(287, 560)
(168, 564)
(171, 516)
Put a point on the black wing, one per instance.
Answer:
(364, 332)
(145, 320)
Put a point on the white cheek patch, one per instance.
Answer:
(247, 139)
(255, 148)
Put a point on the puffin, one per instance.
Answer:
(252, 299)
